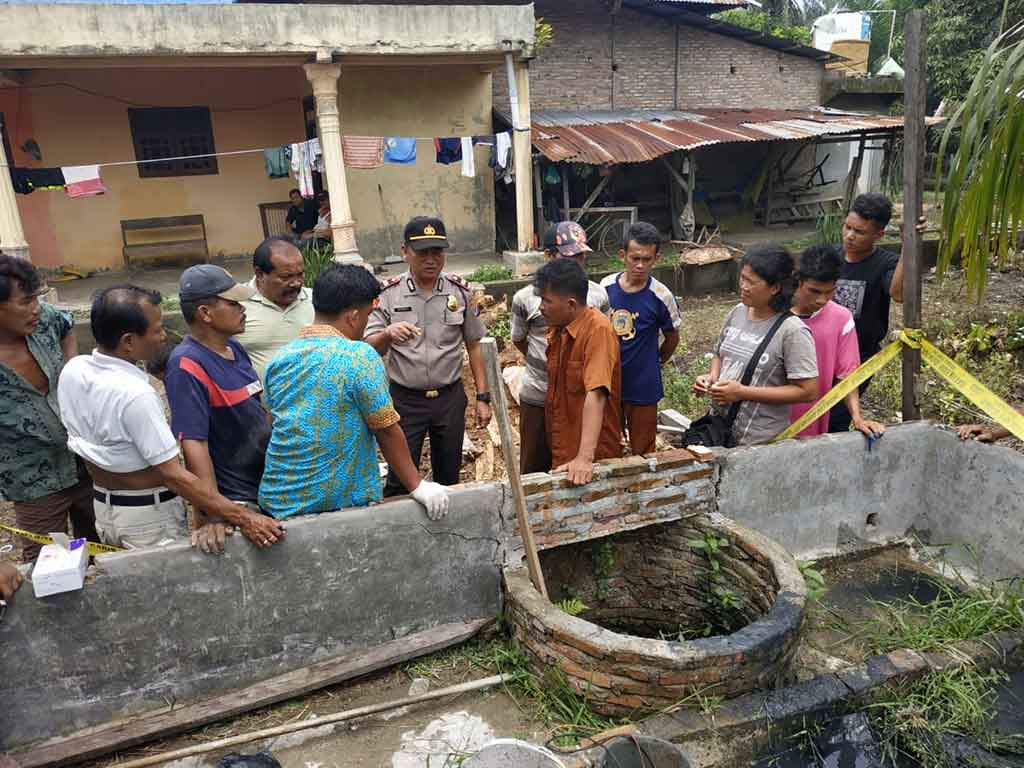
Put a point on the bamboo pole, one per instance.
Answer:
(499, 401)
(914, 83)
(338, 717)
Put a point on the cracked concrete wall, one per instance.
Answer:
(173, 624)
(196, 30)
(829, 494)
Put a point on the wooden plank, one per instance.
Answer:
(127, 733)
(854, 177)
(914, 88)
(565, 190)
(508, 448)
(593, 195)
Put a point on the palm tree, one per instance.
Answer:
(983, 201)
(785, 11)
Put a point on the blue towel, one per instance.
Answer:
(400, 150)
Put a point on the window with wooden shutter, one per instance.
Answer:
(168, 132)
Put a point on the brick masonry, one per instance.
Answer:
(636, 61)
(625, 494)
(625, 674)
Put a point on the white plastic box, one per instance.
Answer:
(60, 568)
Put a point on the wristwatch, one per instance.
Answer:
(483, 397)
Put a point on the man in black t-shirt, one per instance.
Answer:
(870, 277)
(301, 215)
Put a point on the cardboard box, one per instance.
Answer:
(60, 567)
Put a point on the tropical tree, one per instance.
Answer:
(983, 200)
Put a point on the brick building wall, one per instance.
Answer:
(635, 61)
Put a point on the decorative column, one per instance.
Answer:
(12, 234)
(522, 147)
(324, 80)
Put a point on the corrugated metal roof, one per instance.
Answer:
(602, 137)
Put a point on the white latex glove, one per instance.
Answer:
(434, 497)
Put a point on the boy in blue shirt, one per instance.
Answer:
(642, 308)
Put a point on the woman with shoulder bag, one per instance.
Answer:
(764, 360)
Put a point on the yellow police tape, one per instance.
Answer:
(969, 387)
(93, 547)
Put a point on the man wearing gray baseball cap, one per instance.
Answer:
(215, 396)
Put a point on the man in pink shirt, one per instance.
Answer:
(834, 332)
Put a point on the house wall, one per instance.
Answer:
(629, 61)
(73, 127)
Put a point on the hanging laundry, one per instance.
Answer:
(276, 162)
(362, 151)
(502, 147)
(28, 180)
(316, 155)
(83, 180)
(400, 150)
(468, 158)
(301, 169)
(448, 150)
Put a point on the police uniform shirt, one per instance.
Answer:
(446, 318)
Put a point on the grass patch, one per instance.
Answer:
(916, 716)
(678, 384)
(953, 616)
(501, 329)
(489, 273)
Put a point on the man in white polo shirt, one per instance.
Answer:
(280, 306)
(115, 421)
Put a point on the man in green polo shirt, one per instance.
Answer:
(281, 306)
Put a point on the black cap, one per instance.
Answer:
(205, 280)
(425, 232)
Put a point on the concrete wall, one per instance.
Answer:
(920, 481)
(169, 30)
(173, 624)
(630, 61)
(74, 127)
(440, 100)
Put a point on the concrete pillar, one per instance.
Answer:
(523, 149)
(324, 80)
(12, 234)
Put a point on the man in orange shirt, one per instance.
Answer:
(582, 412)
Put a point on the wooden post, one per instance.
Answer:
(538, 200)
(854, 177)
(565, 192)
(499, 405)
(914, 93)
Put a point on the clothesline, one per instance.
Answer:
(240, 152)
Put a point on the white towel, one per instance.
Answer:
(468, 157)
(82, 180)
(502, 146)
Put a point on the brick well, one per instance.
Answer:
(661, 623)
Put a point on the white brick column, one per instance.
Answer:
(522, 147)
(324, 80)
(12, 234)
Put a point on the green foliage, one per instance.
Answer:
(916, 715)
(678, 387)
(604, 561)
(766, 24)
(828, 229)
(543, 34)
(571, 605)
(316, 257)
(489, 273)
(501, 329)
(983, 209)
(170, 304)
(550, 698)
(813, 578)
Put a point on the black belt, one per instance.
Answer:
(430, 394)
(118, 500)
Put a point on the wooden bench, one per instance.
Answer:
(172, 245)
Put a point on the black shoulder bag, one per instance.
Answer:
(712, 429)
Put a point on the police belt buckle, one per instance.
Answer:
(431, 394)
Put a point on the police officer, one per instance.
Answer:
(424, 318)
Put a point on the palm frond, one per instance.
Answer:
(983, 196)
